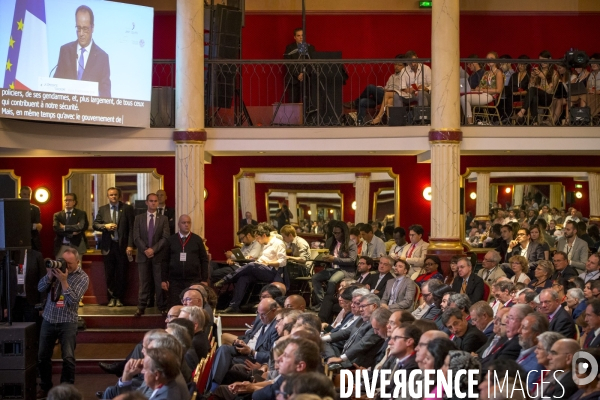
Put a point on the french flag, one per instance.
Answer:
(27, 58)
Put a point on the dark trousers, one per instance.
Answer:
(116, 265)
(245, 275)
(370, 97)
(536, 97)
(225, 358)
(220, 271)
(66, 333)
(150, 271)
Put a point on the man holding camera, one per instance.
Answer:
(66, 285)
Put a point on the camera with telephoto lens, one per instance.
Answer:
(60, 264)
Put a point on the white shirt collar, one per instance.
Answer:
(87, 48)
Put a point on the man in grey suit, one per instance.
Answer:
(400, 292)
(523, 246)
(150, 234)
(576, 248)
(161, 369)
(115, 221)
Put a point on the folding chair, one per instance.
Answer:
(489, 110)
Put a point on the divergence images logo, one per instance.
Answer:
(580, 368)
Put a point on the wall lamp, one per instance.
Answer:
(42, 195)
(427, 193)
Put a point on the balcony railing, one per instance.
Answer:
(335, 92)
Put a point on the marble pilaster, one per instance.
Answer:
(594, 193)
(556, 196)
(81, 185)
(314, 213)
(293, 205)
(482, 206)
(248, 194)
(101, 184)
(518, 195)
(362, 187)
(146, 184)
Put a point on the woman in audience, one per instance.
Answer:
(453, 271)
(542, 85)
(522, 215)
(576, 303)
(456, 361)
(429, 270)
(592, 98)
(551, 227)
(490, 86)
(517, 87)
(520, 267)
(561, 94)
(538, 237)
(543, 273)
(434, 357)
(587, 390)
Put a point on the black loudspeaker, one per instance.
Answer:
(18, 347)
(421, 115)
(18, 383)
(580, 116)
(15, 224)
(570, 197)
(462, 201)
(398, 116)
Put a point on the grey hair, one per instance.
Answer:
(390, 259)
(461, 301)
(550, 292)
(547, 339)
(196, 315)
(64, 391)
(182, 335)
(467, 260)
(522, 309)
(372, 299)
(495, 256)
(540, 323)
(461, 360)
(73, 251)
(576, 293)
(381, 315)
(360, 292)
(168, 342)
(154, 334)
(505, 286)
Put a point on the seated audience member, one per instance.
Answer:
(363, 271)
(577, 282)
(457, 361)
(200, 337)
(592, 98)
(429, 270)
(494, 238)
(524, 246)
(197, 295)
(434, 353)
(560, 320)
(254, 346)
(584, 370)
(482, 317)
(512, 376)
(562, 269)
(462, 302)
(449, 280)
(491, 270)
(416, 82)
(64, 391)
(403, 341)
(489, 87)
(429, 310)
(265, 268)
(520, 267)
(296, 302)
(503, 295)
(399, 243)
(532, 326)
(477, 72)
(380, 280)
(543, 225)
(592, 268)
(542, 351)
(313, 383)
(506, 232)
(591, 290)
(592, 319)
(542, 85)
(538, 237)
(465, 336)
(441, 298)
(517, 87)
(373, 246)
(499, 345)
(391, 93)
(576, 303)
(467, 282)
(561, 285)
(342, 259)
(183, 330)
(417, 250)
(400, 292)
(543, 276)
(363, 341)
(379, 321)
(561, 384)
(345, 302)
(251, 249)
(421, 351)
(298, 248)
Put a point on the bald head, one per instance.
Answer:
(184, 224)
(424, 341)
(296, 302)
(280, 286)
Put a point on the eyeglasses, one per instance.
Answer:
(399, 337)
(425, 294)
(172, 316)
(262, 315)
(187, 299)
(486, 260)
(84, 29)
(365, 305)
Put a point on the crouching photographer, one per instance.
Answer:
(66, 283)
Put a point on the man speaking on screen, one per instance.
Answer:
(82, 59)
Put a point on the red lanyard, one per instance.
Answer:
(184, 243)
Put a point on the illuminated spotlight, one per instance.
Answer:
(309, 212)
(205, 194)
(354, 205)
(427, 193)
(473, 195)
(42, 195)
(579, 195)
(507, 190)
(331, 211)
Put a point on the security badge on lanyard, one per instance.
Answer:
(183, 254)
(20, 276)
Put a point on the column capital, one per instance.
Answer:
(362, 174)
(445, 135)
(189, 135)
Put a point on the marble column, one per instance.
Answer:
(101, 184)
(189, 135)
(518, 195)
(556, 196)
(362, 187)
(594, 194)
(248, 194)
(445, 135)
(146, 184)
(293, 205)
(81, 185)
(314, 213)
(482, 206)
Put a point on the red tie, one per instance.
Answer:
(412, 248)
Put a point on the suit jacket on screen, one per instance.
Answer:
(97, 68)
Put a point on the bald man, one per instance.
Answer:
(186, 261)
(296, 302)
(280, 286)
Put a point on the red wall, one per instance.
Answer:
(363, 36)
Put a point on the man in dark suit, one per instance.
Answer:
(381, 279)
(115, 221)
(523, 246)
(161, 369)
(506, 234)
(560, 385)
(363, 271)
(482, 316)
(399, 293)
(186, 261)
(500, 346)
(248, 220)
(70, 225)
(467, 282)
(335, 340)
(562, 268)
(36, 226)
(296, 75)
(465, 336)
(24, 292)
(592, 319)
(560, 319)
(164, 210)
(150, 235)
(83, 59)
(254, 346)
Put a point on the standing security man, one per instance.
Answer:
(36, 226)
(115, 221)
(65, 290)
(186, 261)
(70, 225)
